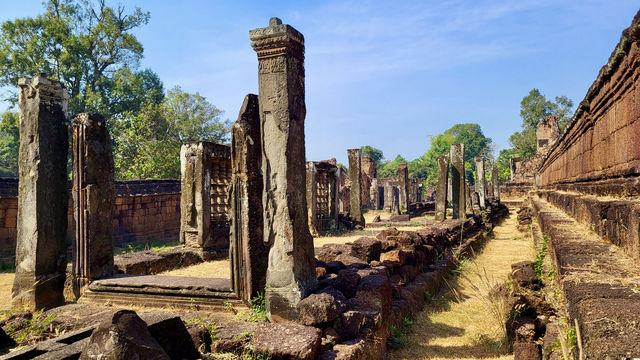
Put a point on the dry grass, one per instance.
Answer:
(209, 269)
(459, 324)
(6, 283)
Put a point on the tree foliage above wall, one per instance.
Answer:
(90, 47)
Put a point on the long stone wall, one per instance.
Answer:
(603, 138)
(146, 210)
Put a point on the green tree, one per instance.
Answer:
(82, 43)
(390, 168)
(503, 164)
(533, 108)
(375, 154)
(476, 144)
(9, 144)
(148, 145)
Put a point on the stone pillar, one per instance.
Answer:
(312, 196)
(373, 194)
(395, 205)
(481, 182)
(195, 196)
(403, 186)
(468, 196)
(355, 161)
(41, 251)
(333, 197)
(94, 197)
(475, 203)
(450, 189)
(458, 181)
(441, 188)
(291, 273)
(247, 251)
(495, 183)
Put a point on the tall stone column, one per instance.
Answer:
(195, 196)
(481, 182)
(312, 195)
(403, 185)
(495, 183)
(457, 181)
(41, 251)
(94, 197)
(247, 251)
(355, 201)
(441, 188)
(291, 273)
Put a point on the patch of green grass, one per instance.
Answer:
(34, 328)
(157, 247)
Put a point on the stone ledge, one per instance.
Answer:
(600, 284)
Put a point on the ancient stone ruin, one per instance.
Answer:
(458, 184)
(248, 252)
(355, 169)
(94, 195)
(290, 275)
(206, 173)
(322, 204)
(41, 255)
(441, 190)
(259, 198)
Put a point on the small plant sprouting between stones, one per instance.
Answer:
(258, 308)
(566, 341)
(398, 337)
(428, 298)
(538, 265)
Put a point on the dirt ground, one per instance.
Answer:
(462, 322)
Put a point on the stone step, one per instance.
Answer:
(162, 291)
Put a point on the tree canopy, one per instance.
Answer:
(375, 154)
(90, 47)
(533, 108)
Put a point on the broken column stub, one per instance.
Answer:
(355, 201)
(441, 188)
(94, 196)
(403, 185)
(481, 182)
(42, 194)
(247, 251)
(458, 188)
(291, 273)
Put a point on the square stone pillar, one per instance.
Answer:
(481, 182)
(450, 189)
(458, 181)
(94, 197)
(403, 187)
(247, 251)
(312, 196)
(291, 274)
(468, 196)
(355, 201)
(195, 196)
(41, 249)
(495, 183)
(441, 188)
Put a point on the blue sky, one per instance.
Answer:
(386, 74)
